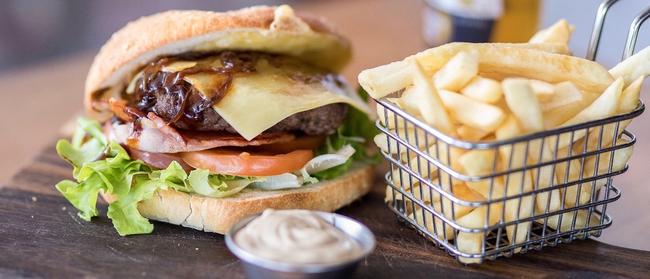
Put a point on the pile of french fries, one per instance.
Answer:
(498, 91)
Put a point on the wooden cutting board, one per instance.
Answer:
(41, 236)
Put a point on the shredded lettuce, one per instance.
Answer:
(357, 130)
(127, 181)
(280, 182)
(217, 186)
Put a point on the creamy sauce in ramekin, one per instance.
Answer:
(297, 236)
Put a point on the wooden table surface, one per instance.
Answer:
(39, 99)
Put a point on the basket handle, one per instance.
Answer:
(633, 33)
(597, 30)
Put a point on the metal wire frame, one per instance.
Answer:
(407, 199)
(422, 176)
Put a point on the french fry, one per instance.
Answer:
(633, 67)
(544, 177)
(460, 69)
(443, 153)
(566, 172)
(472, 113)
(415, 138)
(412, 187)
(450, 209)
(471, 243)
(464, 192)
(386, 79)
(508, 59)
(483, 89)
(621, 157)
(393, 77)
(483, 188)
(447, 155)
(388, 118)
(432, 223)
(495, 76)
(558, 33)
(581, 217)
(604, 106)
(523, 207)
(434, 59)
(470, 133)
(402, 181)
(566, 94)
(630, 96)
(555, 117)
(519, 209)
(628, 102)
(523, 103)
(543, 90)
(408, 101)
(581, 194)
(508, 129)
(478, 162)
(428, 101)
(425, 193)
(389, 197)
(516, 183)
(477, 218)
(443, 206)
(401, 178)
(491, 189)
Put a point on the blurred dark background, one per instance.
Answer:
(34, 30)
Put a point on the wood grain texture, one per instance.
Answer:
(43, 237)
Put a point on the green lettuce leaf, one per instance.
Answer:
(88, 144)
(174, 177)
(333, 172)
(83, 196)
(124, 212)
(127, 181)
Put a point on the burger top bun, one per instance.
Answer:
(265, 29)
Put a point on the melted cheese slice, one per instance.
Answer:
(256, 102)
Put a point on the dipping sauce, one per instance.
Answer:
(297, 236)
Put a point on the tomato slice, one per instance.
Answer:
(247, 164)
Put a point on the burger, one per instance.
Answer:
(200, 118)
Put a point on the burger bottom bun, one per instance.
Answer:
(219, 214)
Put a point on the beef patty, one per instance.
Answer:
(319, 121)
(178, 102)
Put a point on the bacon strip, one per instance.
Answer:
(158, 160)
(153, 134)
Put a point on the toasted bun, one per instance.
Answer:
(266, 29)
(219, 214)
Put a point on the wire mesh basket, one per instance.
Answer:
(427, 189)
